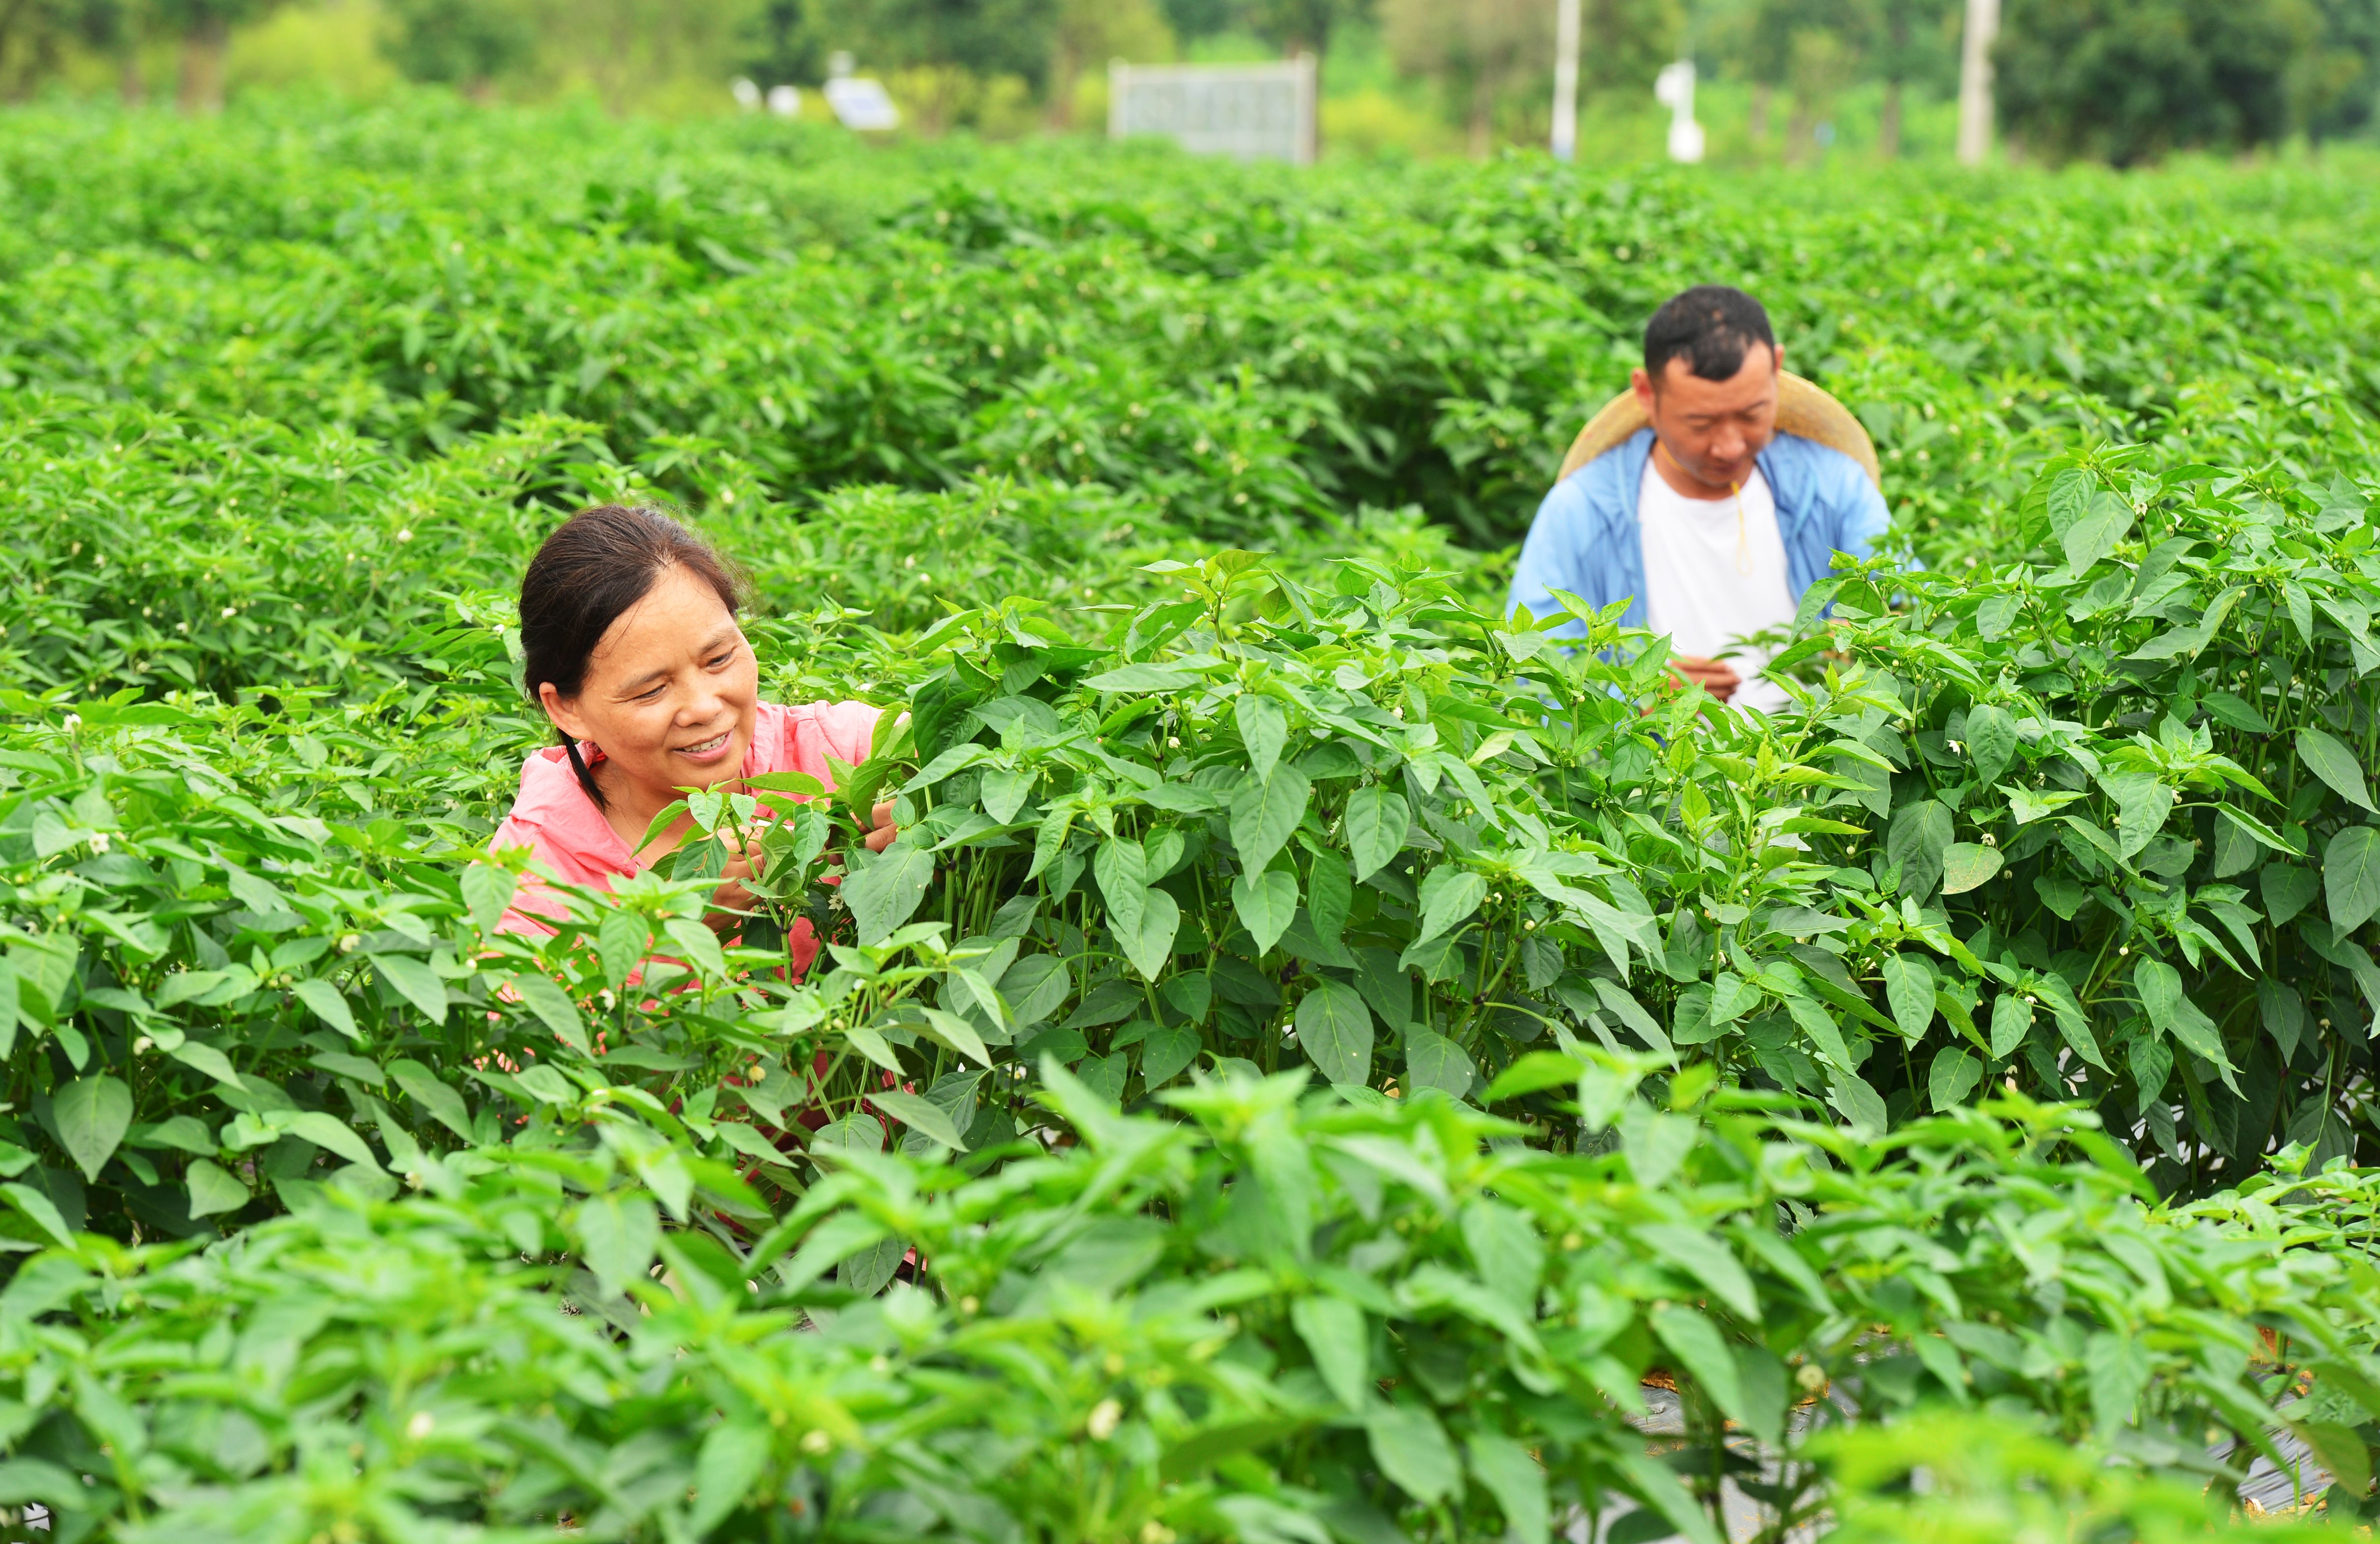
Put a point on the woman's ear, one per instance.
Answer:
(562, 710)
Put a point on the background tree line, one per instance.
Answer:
(2124, 80)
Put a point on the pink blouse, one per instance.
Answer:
(560, 825)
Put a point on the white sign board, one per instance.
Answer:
(1255, 112)
(860, 102)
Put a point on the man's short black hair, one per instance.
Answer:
(1709, 326)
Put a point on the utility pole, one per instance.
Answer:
(1975, 81)
(1565, 135)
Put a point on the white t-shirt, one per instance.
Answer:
(1713, 576)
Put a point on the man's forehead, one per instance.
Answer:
(1745, 388)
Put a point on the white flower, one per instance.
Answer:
(816, 1442)
(1104, 1418)
(99, 841)
(347, 942)
(421, 1425)
(230, 612)
(74, 722)
(404, 535)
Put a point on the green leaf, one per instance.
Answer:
(1264, 729)
(2095, 534)
(621, 941)
(2012, 1019)
(93, 1114)
(919, 1114)
(1264, 813)
(368, 1073)
(2288, 890)
(327, 1131)
(1122, 867)
(882, 896)
(1658, 1144)
(35, 1479)
(2069, 498)
(2171, 1011)
(734, 1455)
(1330, 895)
(1434, 1062)
(488, 890)
(617, 1236)
(1857, 1100)
(1338, 1337)
(1142, 678)
(1966, 865)
(1411, 1449)
(1165, 1051)
(40, 1210)
(1991, 740)
(414, 981)
(1377, 823)
(1918, 837)
(2335, 764)
(2239, 819)
(698, 945)
(208, 1060)
(437, 1101)
(1706, 1260)
(542, 996)
(213, 1189)
(1532, 1073)
(1335, 1030)
(1506, 1471)
(1952, 1077)
(1449, 896)
(1266, 907)
(2351, 876)
(1150, 947)
(1702, 1353)
(2117, 1367)
(1909, 990)
(328, 1004)
(1619, 1005)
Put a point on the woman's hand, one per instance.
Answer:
(731, 902)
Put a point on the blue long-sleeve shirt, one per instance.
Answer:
(1586, 538)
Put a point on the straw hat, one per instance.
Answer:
(1802, 408)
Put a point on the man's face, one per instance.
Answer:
(1714, 428)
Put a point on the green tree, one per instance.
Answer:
(2127, 81)
(1483, 53)
(1090, 32)
(2341, 81)
(984, 37)
(1912, 45)
(781, 45)
(465, 43)
(203, 28)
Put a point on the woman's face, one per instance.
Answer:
(669, 692)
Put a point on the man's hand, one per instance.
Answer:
(881, 837)
(1714, 676)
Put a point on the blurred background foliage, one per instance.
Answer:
(1789, 81)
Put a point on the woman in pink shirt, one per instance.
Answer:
(628, 628)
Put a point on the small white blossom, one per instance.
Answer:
(1103, 1420)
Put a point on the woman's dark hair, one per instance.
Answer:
(596, 565)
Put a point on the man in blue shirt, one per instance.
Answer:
(1709, 523)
